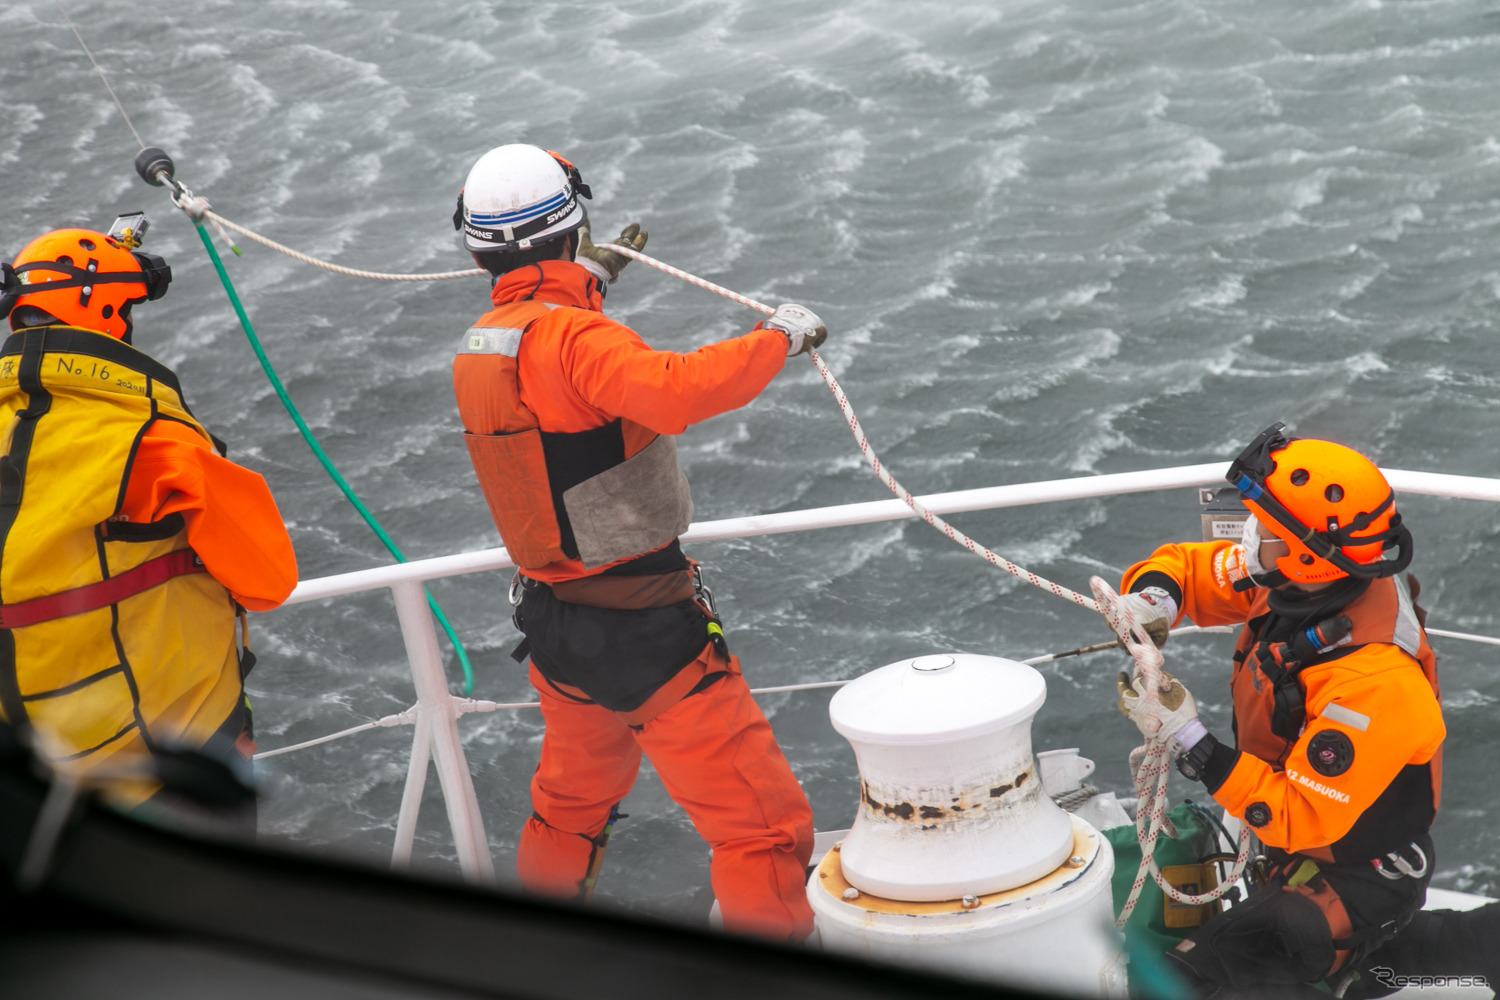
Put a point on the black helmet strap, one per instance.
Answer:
(1248, 472)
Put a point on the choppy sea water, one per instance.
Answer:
(1050, 239)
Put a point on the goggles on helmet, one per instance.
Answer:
(1249, 472)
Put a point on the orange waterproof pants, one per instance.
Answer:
(718, 760)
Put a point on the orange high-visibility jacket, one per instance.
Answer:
(1364, 776)
(569, 418)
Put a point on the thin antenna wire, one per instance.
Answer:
(100, 71)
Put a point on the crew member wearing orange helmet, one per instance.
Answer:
(129, 547)
(569, 418)
(1336, 763)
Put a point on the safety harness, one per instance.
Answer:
(102, 593)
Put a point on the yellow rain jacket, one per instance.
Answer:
(157, 664)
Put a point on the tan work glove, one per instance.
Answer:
(1176, 710)
(1154, 612)
(599, 261)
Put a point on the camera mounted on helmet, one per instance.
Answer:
(1329, 504)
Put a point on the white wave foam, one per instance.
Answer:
(1455, 701)
(1053, 307)
(846, 150)
(1309, 191)
(1400, 218)
(607, 54)
(1357, 286)
(1029, 44)
(20, 120)
(1086, 453)
(1229, 290)
(1089, 348)
(1365, 364)
(1001, 164)
(1197, 159)
(972, 88)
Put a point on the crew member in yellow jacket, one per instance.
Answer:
(129, 547)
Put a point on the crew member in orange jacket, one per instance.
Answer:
(569, 418)
(1338, 724)
(131, 547)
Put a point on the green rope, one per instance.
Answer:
(322, 457)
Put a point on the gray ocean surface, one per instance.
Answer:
(1049, 239)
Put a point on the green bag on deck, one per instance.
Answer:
(1147, 931)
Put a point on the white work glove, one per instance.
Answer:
(804, 331)
(602, 264)
(1154, 611)
(1175, 714)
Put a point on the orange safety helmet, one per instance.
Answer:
(1330, 504)
(108, 277)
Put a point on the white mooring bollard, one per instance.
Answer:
(957, 858)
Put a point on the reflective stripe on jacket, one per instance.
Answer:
(1364, 775)
(568, 417)
(157, 667)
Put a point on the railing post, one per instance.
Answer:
(438, 712)
(411, 796)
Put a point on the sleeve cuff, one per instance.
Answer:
(1156, 578)
(1191, 732)
(597, 269)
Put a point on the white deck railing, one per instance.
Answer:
(437, 711)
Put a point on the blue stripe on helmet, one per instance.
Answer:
(519, 215)
(1247, 488)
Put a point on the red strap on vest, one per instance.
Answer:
(93, 596)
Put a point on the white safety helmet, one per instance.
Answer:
(518, 197)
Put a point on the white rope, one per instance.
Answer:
(466, 705)
(885, 477)
(1151, 766)
(1466, 636)
(218, 219)
(405, 718)
(100, 70)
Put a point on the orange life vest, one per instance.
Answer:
(600, 496)
(1384, 615)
